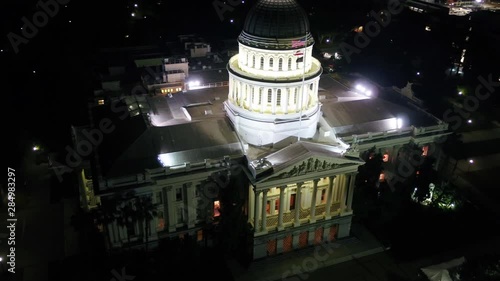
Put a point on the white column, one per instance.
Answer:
(329, 197)
(313, 201)
(282, 207)
(251, 205)
(172, 217)
(350, 193)
(257, 211)
(191, 204)
(297, 204)
(264, 212)
(343, 198)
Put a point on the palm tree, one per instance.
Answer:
(146, 211)
(127, 216)
(104, 215)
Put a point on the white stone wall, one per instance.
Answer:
(273, 63)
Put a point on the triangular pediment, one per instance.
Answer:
(305, 158)
(312, 165)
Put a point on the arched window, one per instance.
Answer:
(311, 86)
(280, 64)
(289, 63)
(261, 62)
(260, 95)
(278, 97)
(253, 60)
(269, 96)
(271, 63)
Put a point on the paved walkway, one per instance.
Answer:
(361, 244)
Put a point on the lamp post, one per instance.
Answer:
(471, 161)
(1, 266)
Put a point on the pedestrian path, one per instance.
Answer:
(360, 244)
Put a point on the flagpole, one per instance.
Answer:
(303, 83)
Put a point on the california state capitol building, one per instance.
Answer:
(281, 135)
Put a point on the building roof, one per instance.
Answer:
(133, 145)
(372, 115)
(276, 19)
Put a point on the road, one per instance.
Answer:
(39, 233)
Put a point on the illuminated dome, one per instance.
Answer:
(277, 19)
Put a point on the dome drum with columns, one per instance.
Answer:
(273, 83)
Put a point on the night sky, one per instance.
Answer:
(48, 82)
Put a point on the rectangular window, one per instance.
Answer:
(269, 96)
(178, 194)
(268, 207)
(161, 222)
(216, 208)
(292, 201)
(180, 214)
(197, 190)
(159, 197)
(199, 235)
(277, 205)
(323, 196)
(425, 150)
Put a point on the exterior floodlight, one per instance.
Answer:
(471, 161)
(36, 148)
(399, 123)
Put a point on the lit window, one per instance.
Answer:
(323, 196)
(381, 177)
(101, 102)
(425, 150)
(199, 235)
(161, 222)
(386, 157)
(216, 208)
(268, 208)
(277, 205)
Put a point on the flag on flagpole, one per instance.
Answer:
(298, 43)
(298, 53)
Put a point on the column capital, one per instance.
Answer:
(282, 188)
(300, 184)
(258, 192)
(315, 181)
(332, 177)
